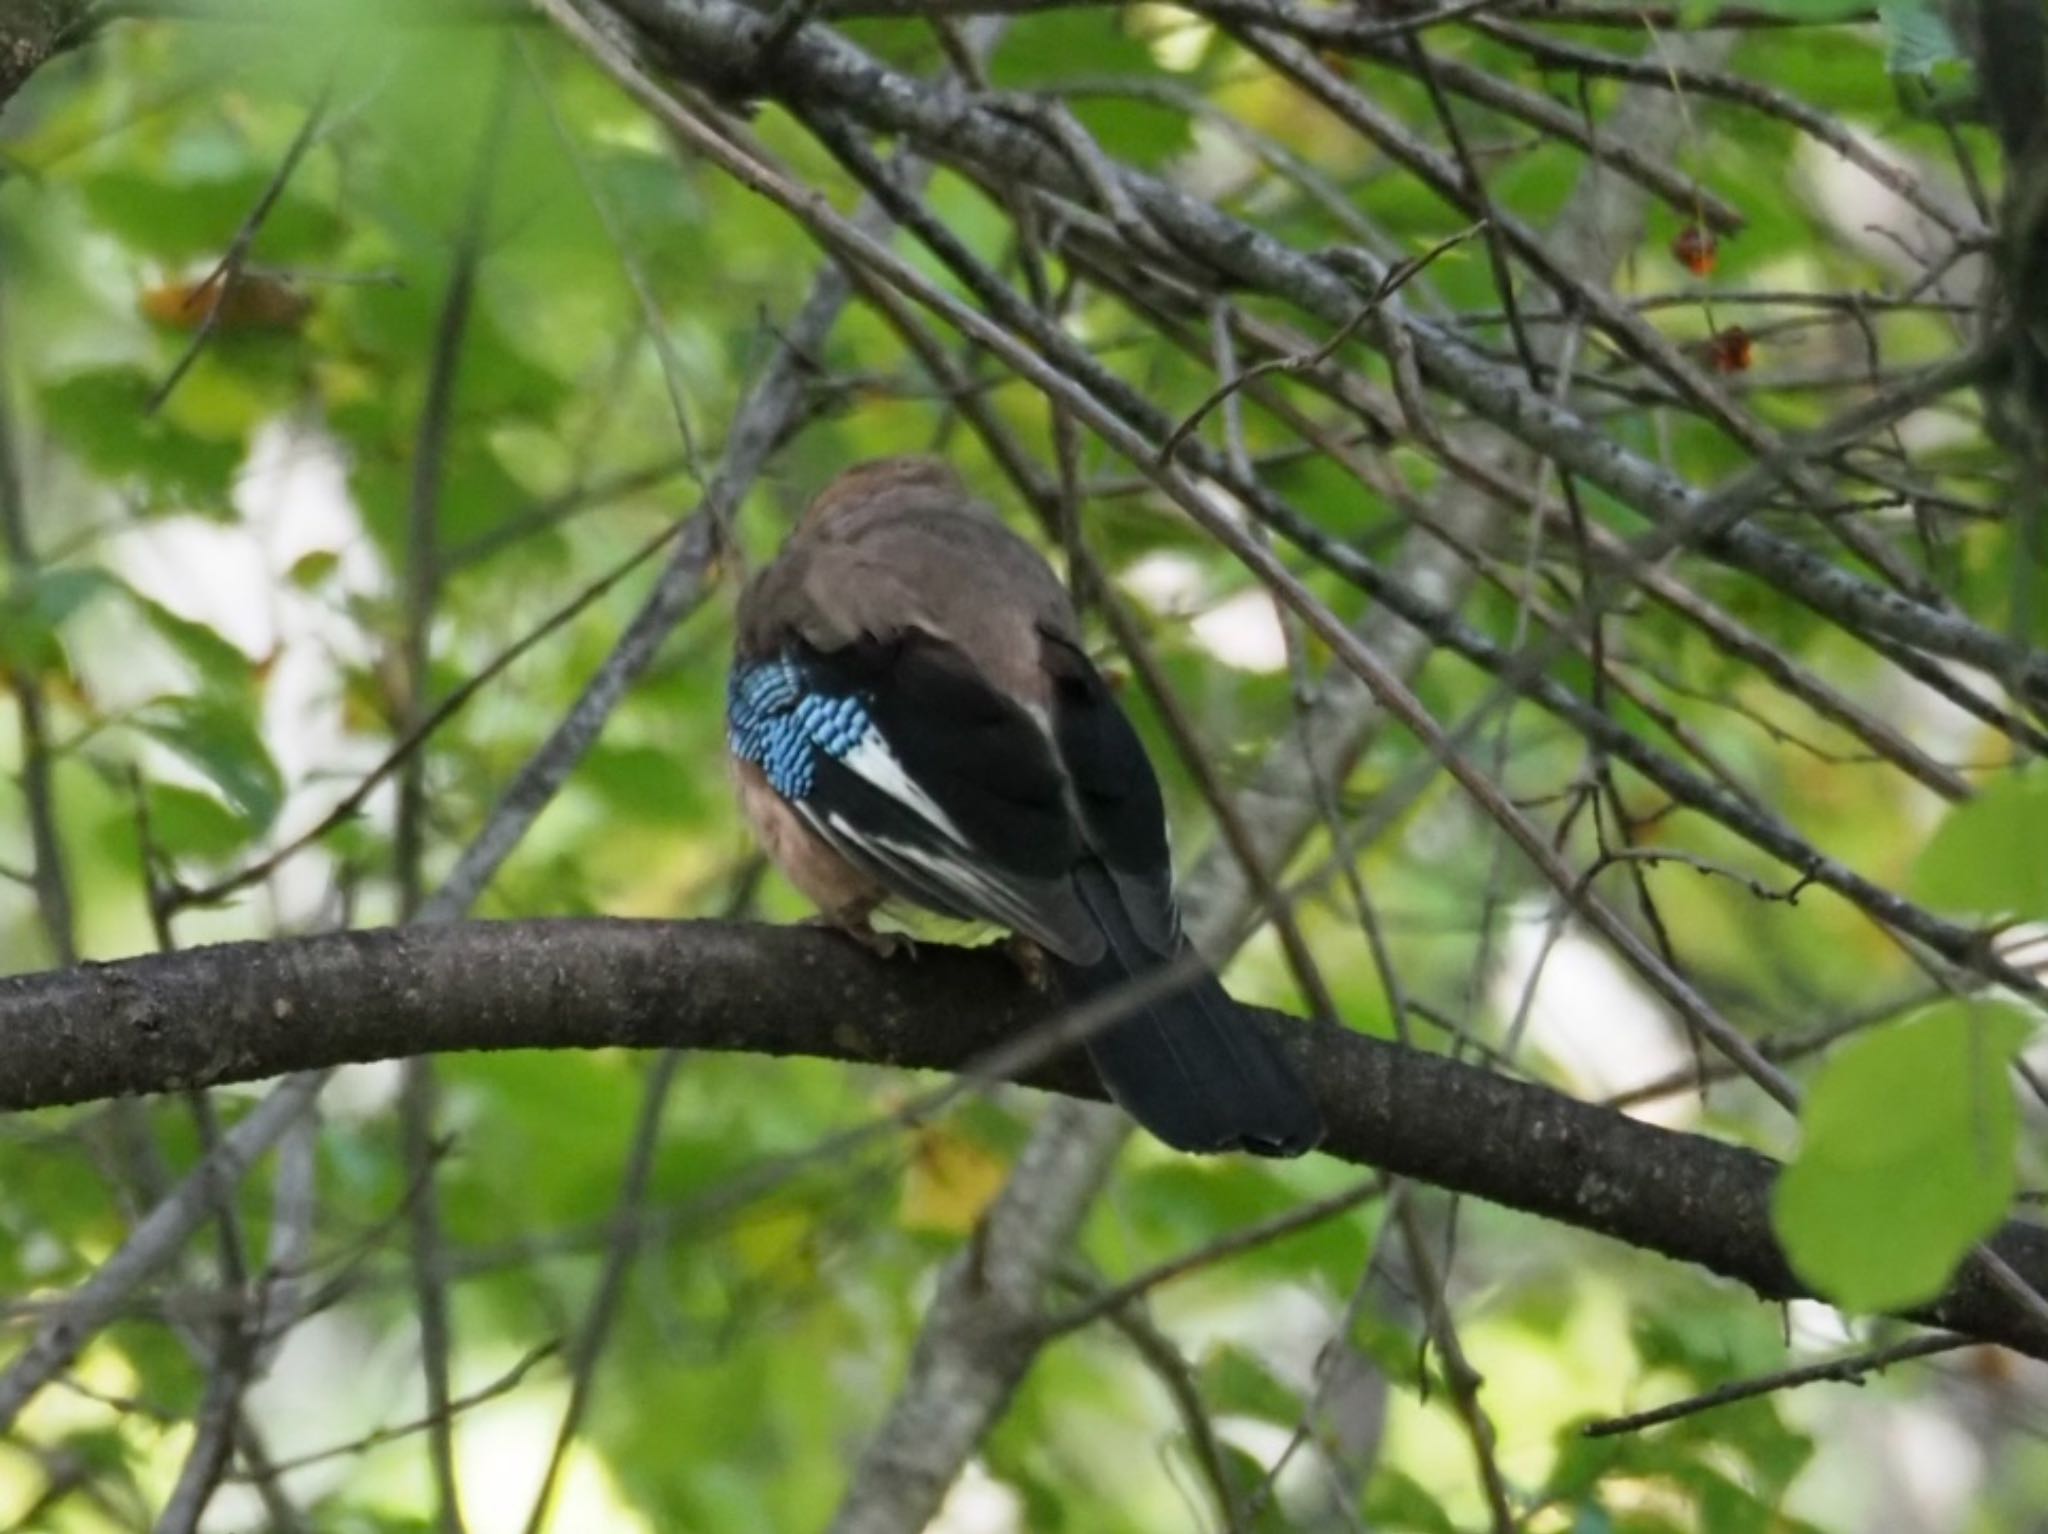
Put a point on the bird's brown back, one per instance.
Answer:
(901, 544)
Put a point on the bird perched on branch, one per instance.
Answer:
(912, 715)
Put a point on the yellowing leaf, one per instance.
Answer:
(949, 1182)
(251, 302)
(778, 1241)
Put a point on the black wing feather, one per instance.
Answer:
(978, 754)
(1008, 840)
(980, 811)
(1115, 792)
(1187, 1064)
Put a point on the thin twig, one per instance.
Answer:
(207, 1459)
(1251, 1238)
(643, 291)
(1167, 1364)
(1392, 282)
(1852, 1370)
(1461, 1379)
(351, 803)
(154, 1242)
(217, 289)
(47, 873)
(418, 1092)
(503, 1385)
(611, 1282)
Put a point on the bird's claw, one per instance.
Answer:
(1030, 960)
(883, 945)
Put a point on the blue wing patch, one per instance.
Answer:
(825, 731)
(775, 722)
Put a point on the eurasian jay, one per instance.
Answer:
(911, 714)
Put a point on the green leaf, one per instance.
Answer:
(311, 570)
(31, 614)
(475, 498)
(1989, 857)
(187, 823)
(1396, 1500)
(1916, 40)
(221, 665)
(1044, 49)
(641, 782)
(221, 741)
(1142, 132)
(1907, 1156)
(104, 1450)
(1238, 1383)
(1808, 10)
(102, 415)
(57, 594)
(181, 218)
(1581, 1462)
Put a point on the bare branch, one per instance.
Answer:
(245, 1011)
(1852, 1370)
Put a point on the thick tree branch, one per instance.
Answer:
(243, 1011)
(32, 32)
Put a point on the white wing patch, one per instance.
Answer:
(873, 760)
(953, 873)
(953, 883)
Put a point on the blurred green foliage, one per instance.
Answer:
(213, 620)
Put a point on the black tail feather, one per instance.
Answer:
(1189, 1064)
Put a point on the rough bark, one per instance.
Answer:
(242, 1011)
(32, 32)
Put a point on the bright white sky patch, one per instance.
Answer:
(1589, 1017)
(1244, 632)
(979, 1504)
(1166, 582)
(235, 578)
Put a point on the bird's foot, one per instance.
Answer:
(855, 924)
(884, 945)
(1030, 960)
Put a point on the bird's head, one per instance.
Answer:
(891, 487)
